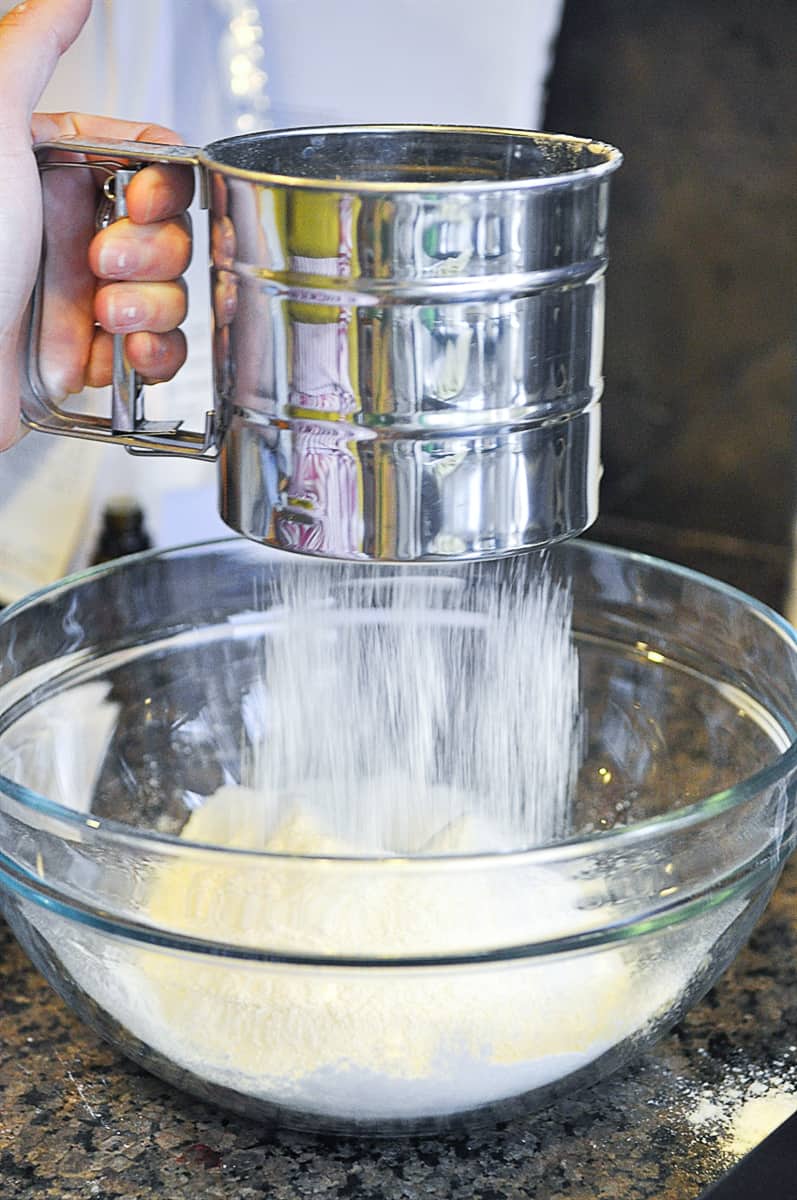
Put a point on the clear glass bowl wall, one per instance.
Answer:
(121, 712)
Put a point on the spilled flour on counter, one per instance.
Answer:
(757, 1118)
(741, 1112)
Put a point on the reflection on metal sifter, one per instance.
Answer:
(408, 328)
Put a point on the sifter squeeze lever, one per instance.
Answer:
(126, 393)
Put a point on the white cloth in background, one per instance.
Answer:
(348, 61)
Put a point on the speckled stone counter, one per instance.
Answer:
(77, 1120)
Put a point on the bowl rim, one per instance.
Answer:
(700, 811)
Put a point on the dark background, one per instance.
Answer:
(699, 446)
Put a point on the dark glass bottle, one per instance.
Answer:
(123, 531)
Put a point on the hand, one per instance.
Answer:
(125, 279)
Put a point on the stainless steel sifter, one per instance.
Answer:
(408, 334)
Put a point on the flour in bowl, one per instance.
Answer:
(395, 729)
(374, 1042)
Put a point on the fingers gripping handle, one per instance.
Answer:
(127, 424)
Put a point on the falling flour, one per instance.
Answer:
(397, 703)
(390, 723)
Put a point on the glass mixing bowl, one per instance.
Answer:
(383, 994)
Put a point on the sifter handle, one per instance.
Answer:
(127, 424)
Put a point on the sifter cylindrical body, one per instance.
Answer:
(409, 366)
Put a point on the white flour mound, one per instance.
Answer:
(371, 1042)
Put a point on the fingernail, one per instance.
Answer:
(126, 311)
(118, 261)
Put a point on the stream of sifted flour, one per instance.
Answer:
(390, 709)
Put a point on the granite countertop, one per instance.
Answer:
(78, 1121)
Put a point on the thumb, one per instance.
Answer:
(33, 36)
